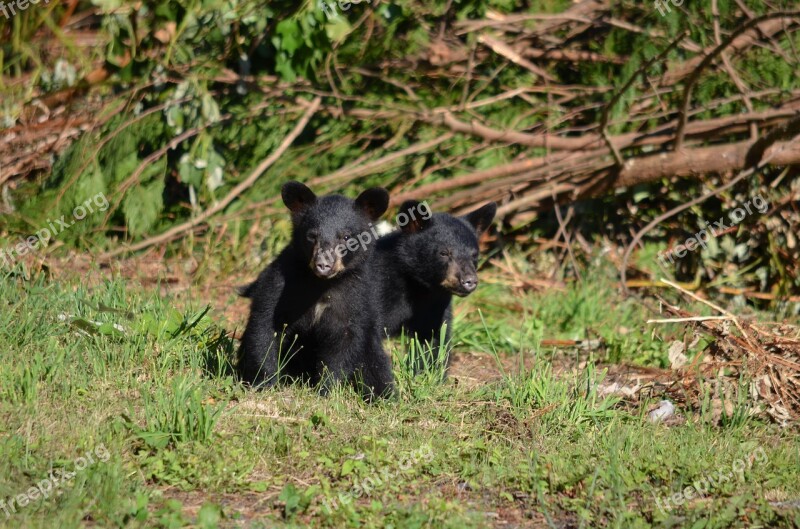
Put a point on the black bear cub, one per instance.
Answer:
(312, 315)
(421, 266)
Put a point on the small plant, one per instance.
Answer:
(726, 405)
(22, 386)
(176, 415)
(420, 366)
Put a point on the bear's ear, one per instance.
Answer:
(413, 216)
(481, 218)
(373, 202)
(297, 196)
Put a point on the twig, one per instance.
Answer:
(235, 192)
(758, 295)
(468, 26)
(567, 239)
(719, 309)
(693, 318)
(697, 298)
(501, 48)
(369, 167)
(571, 56)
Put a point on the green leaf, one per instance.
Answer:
(210, 108)
(84, 325)
(319, 419)
(291, 36)
(156, 440)
(258, 486)
(126, 167)
(347, 467)
(108, 329)
(142, 206)
(209, 516)
(291, 499)
(338, 29)
(188, 172)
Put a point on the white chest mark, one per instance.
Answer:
(319, 308)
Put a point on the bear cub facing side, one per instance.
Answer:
(420, 267)
(312, 312)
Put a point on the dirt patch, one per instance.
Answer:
(244, 508)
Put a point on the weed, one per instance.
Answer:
(175, 415)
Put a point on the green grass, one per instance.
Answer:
(145, 379)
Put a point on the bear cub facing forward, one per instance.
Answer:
(420, 267)
(312, 312)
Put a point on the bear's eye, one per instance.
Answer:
(346, 236)
(445, 253)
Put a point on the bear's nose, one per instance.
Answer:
(324, 268)
(469, 283)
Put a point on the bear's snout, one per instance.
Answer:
(469, 281)
(325, 263)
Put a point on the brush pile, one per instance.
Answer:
(612, 111)
(761, 357)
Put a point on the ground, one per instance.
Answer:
(131, 362)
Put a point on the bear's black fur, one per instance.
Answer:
(421, 266)
(312, 315)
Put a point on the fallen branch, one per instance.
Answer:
(578, 168)
(793, 149)
(699, 161)
(570, 56)
(352, 172)
(740, 43)
(659, 136)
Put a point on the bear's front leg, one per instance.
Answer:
(374, 375)
(261, 343)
